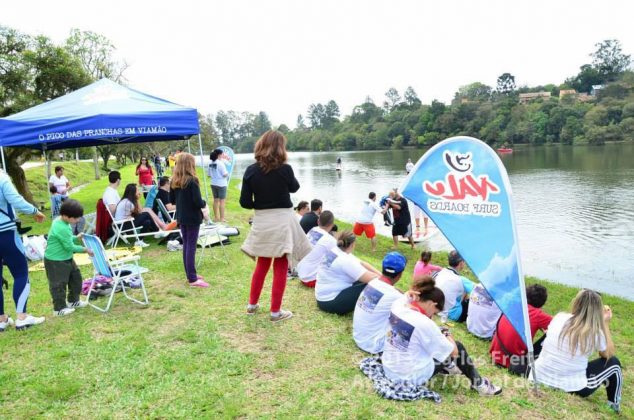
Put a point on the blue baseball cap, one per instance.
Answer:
(394, 262)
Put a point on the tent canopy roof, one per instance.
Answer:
(103, 112)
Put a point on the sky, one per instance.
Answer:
(279, 56)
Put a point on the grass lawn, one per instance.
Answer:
(195, 354)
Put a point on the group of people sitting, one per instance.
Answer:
(398, 326)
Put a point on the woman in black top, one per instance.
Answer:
(275, 234)
(185, 192)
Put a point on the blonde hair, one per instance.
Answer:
(587, 323)
(185, 171)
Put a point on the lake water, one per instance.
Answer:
(575, 205)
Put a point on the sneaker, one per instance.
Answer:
(486, 388)
(199, 283)
(30, 320)
(64, 312)
(174, 246)
(141, 243)
(452, 369)
(171, 225)
(252, 309)
(5, 324)
(281, 316)
(78, 304)
(616, 407)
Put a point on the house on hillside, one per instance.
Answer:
(527, 97)
(567, 92)
(584, 97)
(596, 89)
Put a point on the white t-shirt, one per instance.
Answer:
(337, 271)
(371, 314)
(217, 173)
(59, 183)
(412, 343)
(451, 285)
(322, 241)
(556, 366)
(370, 207)
(483, 313)
(110, 196)
(409, 166)
(124, 210)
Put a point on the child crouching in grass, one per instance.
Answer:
(61, 270)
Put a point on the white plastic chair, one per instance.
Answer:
(114, 270)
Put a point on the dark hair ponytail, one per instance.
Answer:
(425, 288)
(345, 239)
(425, 257)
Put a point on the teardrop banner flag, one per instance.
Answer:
(462, 185)
(228, 158)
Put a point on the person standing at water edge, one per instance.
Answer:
(185, 192)
(275, 234)
(12, 254)
(365, 221)
(409, 166)
(218, 173)
(402, 220)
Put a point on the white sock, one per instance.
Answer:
(275, 314)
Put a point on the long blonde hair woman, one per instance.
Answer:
(185, 192)
(571, 340)
(275, 233)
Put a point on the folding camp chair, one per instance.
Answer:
(114, 270)
(208, 235)
(91, 223)
(168, 215)
(121, 231)
(151, 196)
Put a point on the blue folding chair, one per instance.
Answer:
(118, 270)
(151, 196)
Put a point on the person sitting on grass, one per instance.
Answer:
(64, 278)
(423, 267)
(145, 218)
(301, 209)
(309, 220)
(322, 240)
(341, 277)
(416, 349)
(507, 347)
(571, 340)
(483, 313)
(455, 287)
(365, 221)
(56, 201)
(371, 314)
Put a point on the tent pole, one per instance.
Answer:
(4, 164)
(531, 364)
(202, 165)
(189, 146)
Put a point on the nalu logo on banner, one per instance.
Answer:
(462, 185)
(461, 192)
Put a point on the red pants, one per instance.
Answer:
(280, 268)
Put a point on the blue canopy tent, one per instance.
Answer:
(101, 113)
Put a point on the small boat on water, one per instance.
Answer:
(505, 150)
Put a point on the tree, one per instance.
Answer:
(506, 84)
(316, 113)
(393, 99)
(474, 92)
(609, 59)
(32, 71)
(411, 98)
(331, 114)
(585, 79)
(261, 124)
(301, 125)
